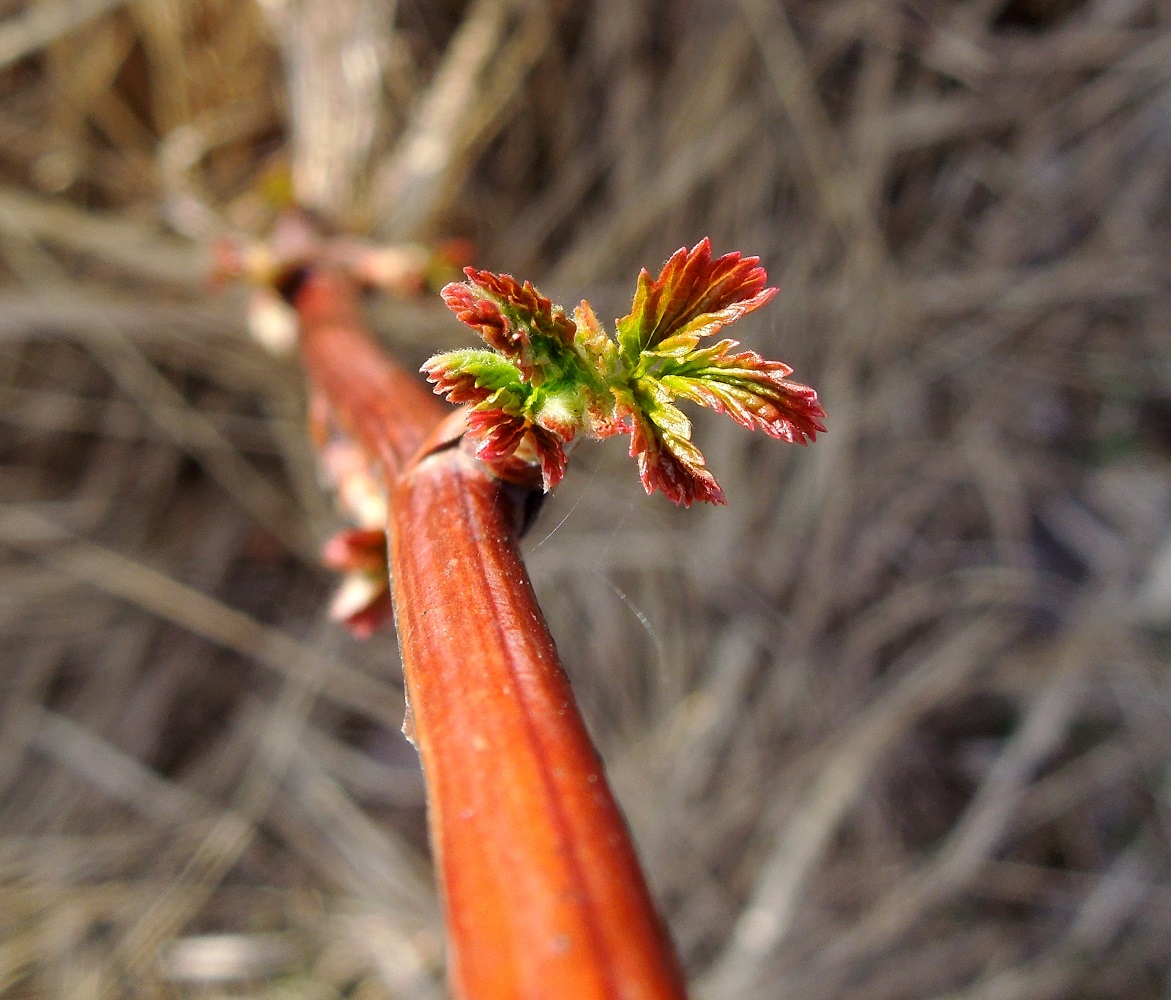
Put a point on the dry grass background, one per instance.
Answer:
(895, 724)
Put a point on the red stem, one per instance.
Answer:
(542, 890)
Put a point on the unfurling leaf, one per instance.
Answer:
(750, 389)
(552, 376)
(507, 412)
(660, 439)
(516, 320)
(500, 435)
(479, 377)
(693, 294)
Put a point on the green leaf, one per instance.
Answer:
(475, 376)
(694, 295)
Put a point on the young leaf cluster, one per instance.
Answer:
(549, 376)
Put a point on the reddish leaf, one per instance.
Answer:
(497, 434)
(551, 455)
(750, 389)
(660, 439)
(500, 421)
(692, 294)
(500, 435)
(456, 386)
(514, 319)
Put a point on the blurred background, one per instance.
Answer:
(893, 724)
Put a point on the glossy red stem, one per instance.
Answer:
(543, 891)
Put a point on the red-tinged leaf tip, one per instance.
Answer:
(457, 386)
(483, 315)
(481, 378)
(693, 294)
(681, 483)
(551, 455)
(750, 389)
(513, 318)
(586, 321)
(497, 434)
(798, 416)
(500, 436)
(670, 463)
(787, 412)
